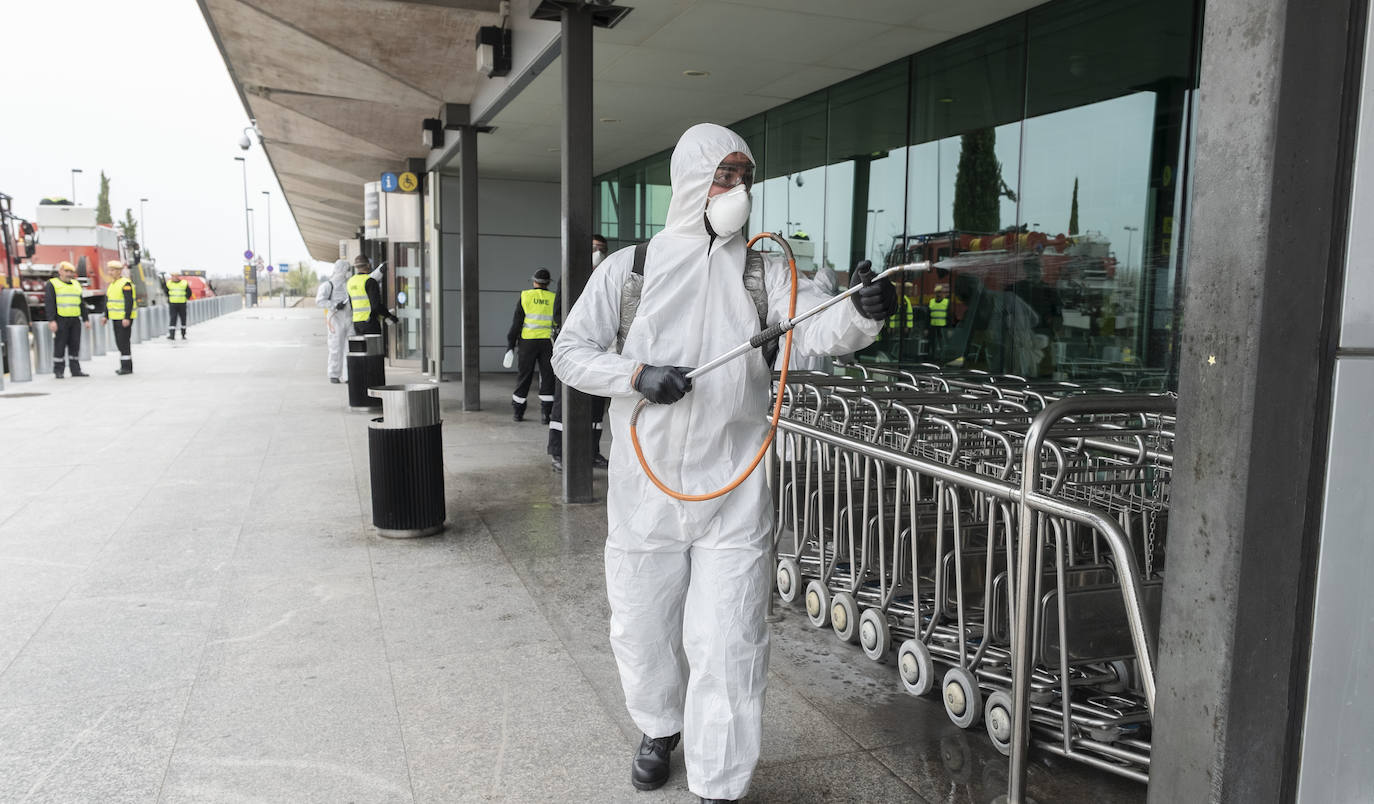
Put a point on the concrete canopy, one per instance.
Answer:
(339, 87)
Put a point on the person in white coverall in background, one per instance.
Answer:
(688, 582)
(332, 295)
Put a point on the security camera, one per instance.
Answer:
(244, 142)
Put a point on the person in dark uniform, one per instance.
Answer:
(365, 294)
(66, 315)
(555, 448)
(178, 292)
(121, 307)
(532, 329)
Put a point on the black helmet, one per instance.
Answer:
(542, 276)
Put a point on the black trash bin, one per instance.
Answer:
(366, 369)
(406, 457)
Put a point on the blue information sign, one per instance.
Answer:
(283, 266)
(390, 182)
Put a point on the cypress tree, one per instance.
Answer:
(978, 183)
(1073, 209)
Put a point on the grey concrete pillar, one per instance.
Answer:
(140, 328)
(17, 349)
(42, 347)
(471, 320)
(99, 335)
(576, 59)
(1273, 144)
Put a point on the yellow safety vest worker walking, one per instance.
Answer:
(538, 306)
(357, 295)
(533, 328)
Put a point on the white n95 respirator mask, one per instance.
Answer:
(597, 257)
(728, 212)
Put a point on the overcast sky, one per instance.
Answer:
(138, 90)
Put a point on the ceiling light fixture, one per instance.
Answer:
(696, 73)
(610, 120)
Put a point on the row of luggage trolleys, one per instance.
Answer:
(901, 500)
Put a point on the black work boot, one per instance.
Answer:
(519, 411)
(76, 369)
(649, 768)
(545, 412)
(59, 370)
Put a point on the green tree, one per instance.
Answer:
(1073, 209)
(129, 227)
(302, 279)
(102, 206)
(978, 185)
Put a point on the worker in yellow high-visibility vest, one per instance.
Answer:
(939, 318)
(178, 292)
(66, 315)
(121, 307)
(533, 330)
(365, 294)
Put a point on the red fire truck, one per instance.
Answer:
(16, 246)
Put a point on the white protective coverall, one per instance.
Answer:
(339, 323)
(688, 582)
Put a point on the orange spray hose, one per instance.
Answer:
(777, 403)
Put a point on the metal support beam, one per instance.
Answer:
(578, 447)
(472, 388)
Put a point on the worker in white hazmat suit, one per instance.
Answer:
(332, 295)
(688, 582)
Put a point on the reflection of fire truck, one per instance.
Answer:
(1079, 266)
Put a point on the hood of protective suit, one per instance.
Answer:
(699, 151)
(340, 272)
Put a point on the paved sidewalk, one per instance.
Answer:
(194, 608)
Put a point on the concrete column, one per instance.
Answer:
(1273, 144)
(578, 446)
(472, 347)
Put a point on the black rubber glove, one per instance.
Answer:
(341, 305)
(663, 385)
(877, 300)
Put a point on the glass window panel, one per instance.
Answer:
(795, 136)
(969, 83)
(1086, 288)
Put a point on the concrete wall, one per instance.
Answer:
(517, 234)
(1265, 249)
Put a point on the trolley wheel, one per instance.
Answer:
(915, 667)
(997, 720)
(789, 579)
(1123, 677)
(874, 635)
(963, 699)
(844, 617)
(818, 604)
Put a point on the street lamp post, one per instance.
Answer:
(269, 249)
(74, 172)
(247, 237)
(1130, 233)
(142, 231)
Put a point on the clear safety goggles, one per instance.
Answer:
(730, 174)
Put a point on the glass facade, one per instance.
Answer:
(1037, 163)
